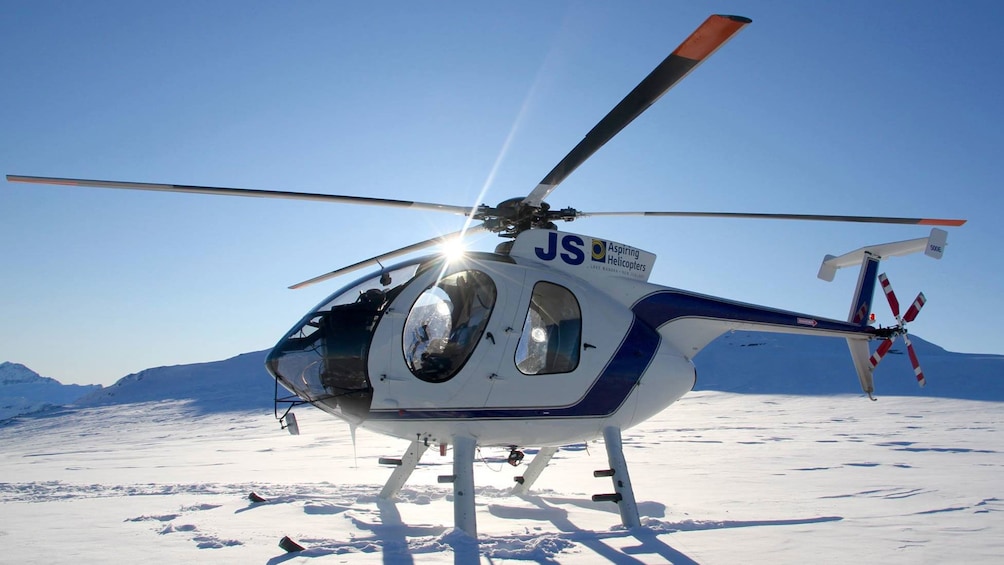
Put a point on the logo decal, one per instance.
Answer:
(552, 249)
(599, 250)
(583, 254)
(571, 245)
(807, 322)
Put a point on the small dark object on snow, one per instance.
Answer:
(256, 498)
(289, 545)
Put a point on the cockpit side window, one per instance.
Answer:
(552, 332)
(446, 323)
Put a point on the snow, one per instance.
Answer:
(720, 478)
(23, 391)
(776, 458)
(16, 373)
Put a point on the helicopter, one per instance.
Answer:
(555, 338)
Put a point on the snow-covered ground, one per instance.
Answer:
(720, 478)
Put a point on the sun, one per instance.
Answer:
(453, 249)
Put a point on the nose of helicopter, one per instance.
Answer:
(323, 360)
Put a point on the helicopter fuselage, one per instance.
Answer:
(546, 345)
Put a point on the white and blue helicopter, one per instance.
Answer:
(554, 339)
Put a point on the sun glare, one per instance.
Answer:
(454, 249)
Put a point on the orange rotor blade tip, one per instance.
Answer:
(712, 34)
(936, 222)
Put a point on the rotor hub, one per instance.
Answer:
(513, 216)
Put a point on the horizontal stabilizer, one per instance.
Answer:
(932, 246)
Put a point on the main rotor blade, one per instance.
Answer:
(706, 39)
(247, 192)
(389, 255)
(810, 217)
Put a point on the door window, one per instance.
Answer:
(446, 323)
(552, 332)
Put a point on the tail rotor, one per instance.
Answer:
(900, 329)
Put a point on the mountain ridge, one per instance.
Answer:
(738, 362)
(23, 391)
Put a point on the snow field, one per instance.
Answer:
(720, 478)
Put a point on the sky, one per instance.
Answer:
(866, 108)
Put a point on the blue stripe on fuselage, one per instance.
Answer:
(666, 306)
(603, 398)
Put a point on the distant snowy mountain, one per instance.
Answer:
(18, 374)
(23, 391)
(237, 383)
(764, 363)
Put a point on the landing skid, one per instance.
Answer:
(533, 471)
(405, 466)
(623, 493)
(462, 479)
(463, 486)
(464, 518)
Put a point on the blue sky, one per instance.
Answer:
(889, 108)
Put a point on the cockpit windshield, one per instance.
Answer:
(323, 359)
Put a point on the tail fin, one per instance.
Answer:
(860, 354)
(868, 258)
(861, 304)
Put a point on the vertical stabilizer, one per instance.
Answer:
(861, 304)
(868, 258)
(859, 354)
(936, 243)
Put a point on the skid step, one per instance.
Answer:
(390, 461)
(615, 497)
(604, 473)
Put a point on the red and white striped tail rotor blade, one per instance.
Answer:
(915, 362)
(914, 308)
(911, 313)
(889, 294)
(883, 348)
